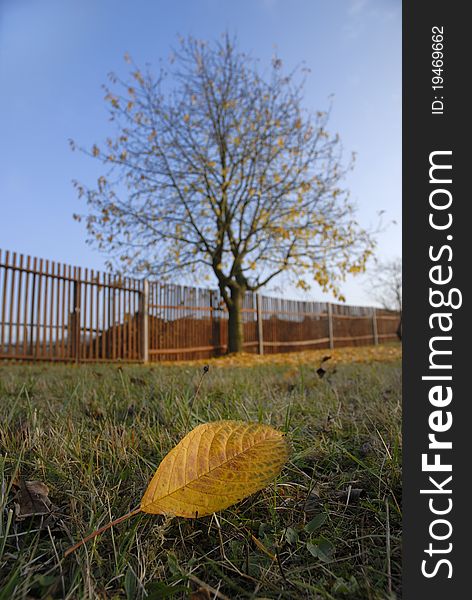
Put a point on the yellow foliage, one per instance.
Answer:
(137, 75)
(213, 467)
(302, 284)
(355, 269)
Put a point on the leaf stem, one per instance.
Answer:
(101, 530)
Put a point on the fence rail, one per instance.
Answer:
(55, 312)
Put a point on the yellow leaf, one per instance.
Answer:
(213, 467)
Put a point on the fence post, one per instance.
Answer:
(31, 328)
(145, 322)
(374, 326)
(211, 323)
(260, 335)
(330, 325)
(75, 321)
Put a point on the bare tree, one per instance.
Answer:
(218, 169)
(385, 284)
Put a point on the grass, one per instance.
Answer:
(328, 528)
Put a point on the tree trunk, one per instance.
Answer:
(235, 322)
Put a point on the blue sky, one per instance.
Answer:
(56, 54)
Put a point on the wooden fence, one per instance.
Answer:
(55, 312)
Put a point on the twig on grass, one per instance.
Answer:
(206, 368)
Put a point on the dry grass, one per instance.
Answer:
(96, 434)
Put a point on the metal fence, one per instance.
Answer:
(55, 312)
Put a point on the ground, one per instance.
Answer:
(328, 528)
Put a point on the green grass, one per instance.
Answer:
(95, 435)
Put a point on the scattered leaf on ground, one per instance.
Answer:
(31, 499)
(350, 354)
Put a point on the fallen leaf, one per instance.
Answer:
(213, 467)
(31, 499)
